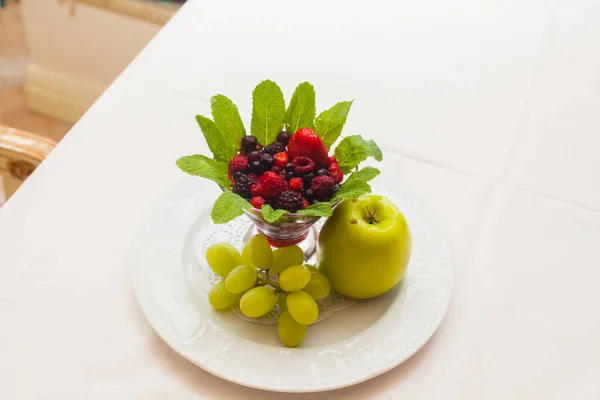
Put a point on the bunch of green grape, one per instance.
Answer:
(260, 278)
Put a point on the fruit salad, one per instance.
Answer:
(284, 165)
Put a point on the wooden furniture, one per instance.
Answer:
(21, 152)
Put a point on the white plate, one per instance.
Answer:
(349, 347)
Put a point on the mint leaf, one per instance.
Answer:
(330, 122)
(228, 207)
(302, 109)
(268, 108)
(221, 148)
(318, 210)
(365, 174)
(374, 150)
(270, 215)
(228, 120)
(351, 190)
(353, 150)
(205, 167)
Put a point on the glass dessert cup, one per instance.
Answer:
(289, 230)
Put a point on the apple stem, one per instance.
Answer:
(371, 217)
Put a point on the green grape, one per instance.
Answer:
(318, 287)
(291, 333)
(302, 307)
(240, 279)
(257, 302)
(257, 252)
(220, 298)
(311, 267)
(281, 301)
(286, 257)
(294, 278)
(222, 258)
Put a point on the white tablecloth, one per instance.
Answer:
(489, 109)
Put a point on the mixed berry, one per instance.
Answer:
(289, 174)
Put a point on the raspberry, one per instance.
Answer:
(304, 203)
(238, 163)
(272, 184)
(281, 159)
(266, 160)
(303, 165)
(290, 201)
(333, 167)
(284, 137)
(249, 144)
(337, 175)
(242, 186)
(332, 160)
(296, 184)
(255, 190)
(322, 186)
(274, 148)
(257, 202)
(306, 143)
(253, 178)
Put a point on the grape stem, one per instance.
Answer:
(267, 281)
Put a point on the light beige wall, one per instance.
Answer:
(76, 55)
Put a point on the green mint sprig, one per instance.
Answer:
(270, 215)
(353, 150)
(205, 167)
(268, 109)
(318, 210)
(302, 109)
(329, 124)
(356, 184)
(227, 118)
(228, 207)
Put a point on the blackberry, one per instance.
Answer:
(290, 201)
(256, 167)
(309, 194)
(274, 148)
(284, 137)
(237, 175)
(266, 160)
(242, 186)
(307, 179)
(322, 171)
(253, 156)
(249, 144)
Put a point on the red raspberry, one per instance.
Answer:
(255, 190)
(303, 165)
(306, 143)
(238, 163)
(337, 175)
(253, 178)
(281, 159)
(296, 184)
(257, 202)
(322, 186)
(332, 160)
(304, 203)
(272, 184)
(333, 167)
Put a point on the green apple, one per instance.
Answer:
(364, 247)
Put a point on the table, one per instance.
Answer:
(488, 109)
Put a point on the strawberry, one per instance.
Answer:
(306, 143)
